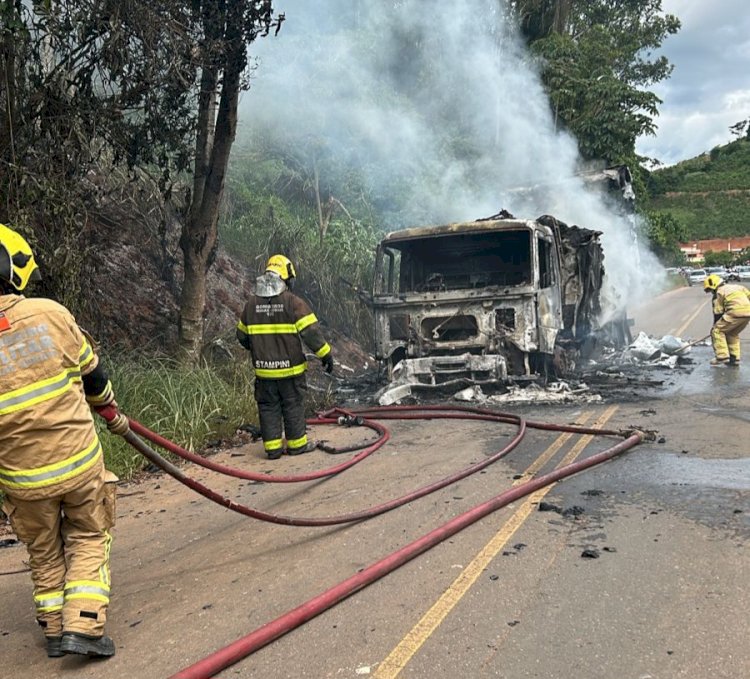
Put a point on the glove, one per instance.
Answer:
(327, 361)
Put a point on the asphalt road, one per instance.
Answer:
(511, 596)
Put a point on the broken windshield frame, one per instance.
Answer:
(463, 261)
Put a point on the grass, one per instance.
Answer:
(188, 405)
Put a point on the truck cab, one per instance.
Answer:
(472, 301)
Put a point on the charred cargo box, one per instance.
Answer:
(480, 301)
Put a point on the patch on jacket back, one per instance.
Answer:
(4, 322)
(284, 363)
(269, 309)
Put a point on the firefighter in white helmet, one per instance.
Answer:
(273, 325)
(731, 307)
(58, 496)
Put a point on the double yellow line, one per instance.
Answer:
(398, 658)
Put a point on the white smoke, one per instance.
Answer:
(376, 81)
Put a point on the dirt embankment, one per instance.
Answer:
(134, 279)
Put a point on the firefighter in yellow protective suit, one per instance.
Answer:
(58, 497)
(273, 325)
(731, 307)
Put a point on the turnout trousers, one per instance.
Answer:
(68, 541)
(281, 406)
(725, 336)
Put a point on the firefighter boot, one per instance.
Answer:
(53, 647)
(734, 361)
(83, 644)
(719, 362)
(307, 448)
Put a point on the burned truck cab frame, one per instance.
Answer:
(469, 302)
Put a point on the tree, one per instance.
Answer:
(741, 129)
(92, 85)
(597, 64)
(89, 86)
(720, 258)
(665, 233)
(226, 28)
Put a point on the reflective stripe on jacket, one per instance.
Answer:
(48, 443)
(732, 298)
(273, 329)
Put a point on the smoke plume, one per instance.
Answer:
(440, 107)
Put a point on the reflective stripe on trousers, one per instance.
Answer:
(281, 401)
(51, 474)
(725, 336)
(69, 544)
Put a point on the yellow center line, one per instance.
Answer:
(693, 316)
(537, 464)
(398, 658)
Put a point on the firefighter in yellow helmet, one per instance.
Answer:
(58, 496)
(731, 307)
(273, 325)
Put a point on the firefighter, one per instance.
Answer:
(273, 325)
(58, 496)
(731, 307)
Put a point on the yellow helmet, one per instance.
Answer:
(17, 265)
(712, 282)
(282, 266)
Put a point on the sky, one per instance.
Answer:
(709, 88)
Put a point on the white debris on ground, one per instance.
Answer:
(662, 353)
(646, 351)
(393, 394)
(556, 392)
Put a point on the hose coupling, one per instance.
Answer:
(119, 424)
(644, 434)
(351, 420)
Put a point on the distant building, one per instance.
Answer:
(695, 250)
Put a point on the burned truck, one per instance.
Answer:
(481, 302)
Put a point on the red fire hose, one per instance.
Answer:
(223, 658)
(110, 413)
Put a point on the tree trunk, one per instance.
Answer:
(199, 233)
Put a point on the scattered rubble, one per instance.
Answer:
(613, 371)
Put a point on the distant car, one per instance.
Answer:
(696, 276)
(742, 273)
(718, 270)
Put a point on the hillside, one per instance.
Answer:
(709, 195)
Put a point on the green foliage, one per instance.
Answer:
(725, 168)
(188, 405)
(709, 195)
(665, 233)
(596, 62)
(721, 258)
(741, 129)
(271, 210)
